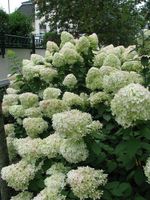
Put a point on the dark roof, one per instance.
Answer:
(27, 8)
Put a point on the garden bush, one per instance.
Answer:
(77, 124)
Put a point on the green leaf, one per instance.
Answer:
(120, 189)
(145, 146)
(145, 132)
(132, 147)
(139, 177)
(107, 117)
(139, 198)
(107, 196)
(96, 148)
(111, 166)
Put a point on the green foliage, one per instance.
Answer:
(51, 36)
(115, 22)
(19, 24)
(15, 23)
(3, 21)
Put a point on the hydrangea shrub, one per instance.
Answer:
(77, 124)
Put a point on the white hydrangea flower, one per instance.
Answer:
(57, 168)
(52, 47)
(26, 62)
(99, 59)
(48, 56)
(72, 99)
(74, 151)
(70, 81)
(11, 91)
(112, 61)
(9, 130)
(118, 79)
(129, 53)
(147, 170)
(131, 104)
(51, 145)
(106, 70)
(71, 56)
(42, 195)
(54, 185)
(19, 175)
(48, 74)
(34, 126)
(94, 79)
(58, 60)
(85, 182)
(82, 45)
(23, 196)
(66, 37)
(10, 99)
(29, 71)
(52, 106)
(37, 59)
(51, 93)
(17, 111)
(95, 126)
(11, 149)
(16, 85)
(132, 66)
(67, 45)
(72, 124)
(85, 99)
(93, 39)
(99, 97)
(110, 49)
(28, 148)
(28, 99)
(5, 110)
(33, 112)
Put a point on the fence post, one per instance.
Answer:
(3, 45)
(33, 44)
(4, 159)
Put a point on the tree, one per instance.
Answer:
(19, 24)
(3, 20)
(51, 36)
(114, 21)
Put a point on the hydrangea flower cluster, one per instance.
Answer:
(28, 100)
(118, 79)
(72, 124)
(34, 126)
(130, 104)
(70, 81)
(52, 121)
(72, 99)
(18, 175)
(23, 196)
(74, 151)
(85, 182)
(51, 93)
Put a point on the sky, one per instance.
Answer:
(14, 4)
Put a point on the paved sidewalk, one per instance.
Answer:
(22, 54)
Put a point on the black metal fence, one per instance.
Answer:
(14, 41)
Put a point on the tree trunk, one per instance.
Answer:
(4, 159)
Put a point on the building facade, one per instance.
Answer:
(40, 27)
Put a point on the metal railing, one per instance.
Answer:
(14, 41)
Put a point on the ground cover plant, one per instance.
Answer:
(77, 124)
